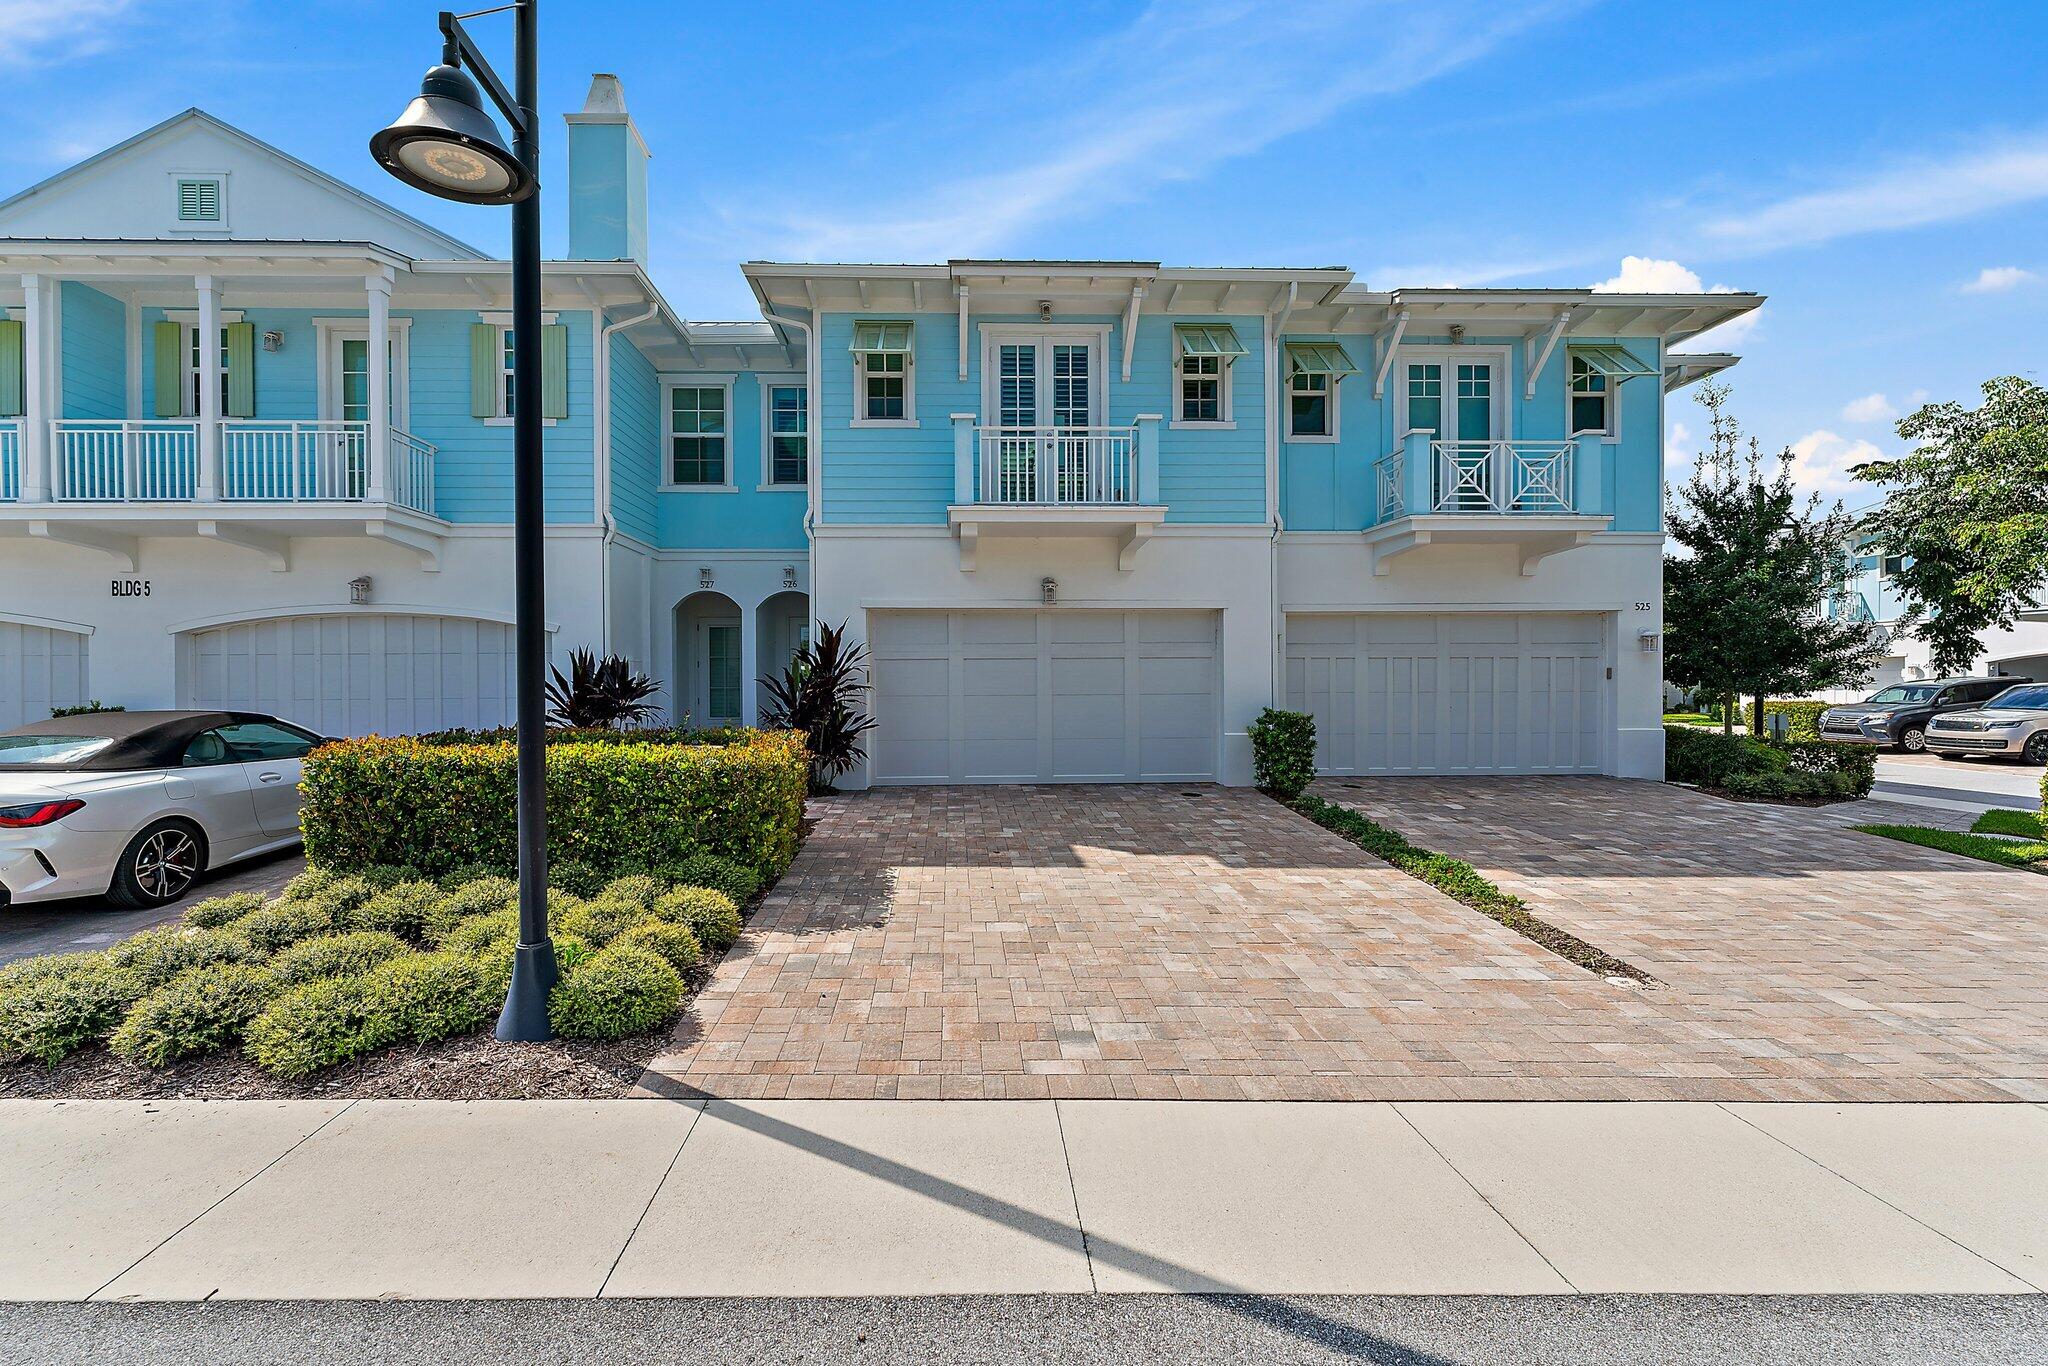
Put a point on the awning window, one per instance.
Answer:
(881, 339)
(1208, 339)
(1318, 358)
(1611, 361)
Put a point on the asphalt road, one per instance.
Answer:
(1979, 783)
(1079, 1329)
(93, 922)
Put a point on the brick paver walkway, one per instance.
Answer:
(1206, 942)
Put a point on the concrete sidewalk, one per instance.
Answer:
(568, 1199)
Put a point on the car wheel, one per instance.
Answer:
(2036, 751)
(1913, 740)
(159, 865)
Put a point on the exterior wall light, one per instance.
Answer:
(359, 590)
(705, 578)
(273, 341)
(789, 576)
(1045, 310)
(1646, 641)
(1049, 590)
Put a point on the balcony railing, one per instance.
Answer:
(115, 461)
(10, 460)
(1054, 467)
(1490, 478)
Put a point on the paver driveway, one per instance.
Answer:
(1206, 942)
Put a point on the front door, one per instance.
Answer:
(344, 456)
(1454, 398)
(715, 674)
(1043, 401)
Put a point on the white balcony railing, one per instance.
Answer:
(1498, 478)
(115, 461)
(1057, 466)
(10, 459)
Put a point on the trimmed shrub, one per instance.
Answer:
(736, 880)
(604, 919)
(471, 872)
(1791, 786)
(402, 909)
(1854, 765)
(309, 883)
(1283, 752)
(619, 991)
(479, 897)
(673, 943)
(638, 888)
(481, 932)
(618, 803)
(158, 955)
(217, 911)
(49, 1017)
(1756, 768)
(26, 970)
(382, 877)
(196, 1012)
(710, 915)
(429, 996)
(317, 1025)
(336, 955)
(282, 923)
(575, 877)
(495, 962)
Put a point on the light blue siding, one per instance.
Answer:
(1205, 474)
(1333, 487)
(94, 331)
(635, 412)
(749, 517)
(892, 474)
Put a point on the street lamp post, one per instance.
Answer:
(446, 144)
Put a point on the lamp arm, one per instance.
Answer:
(458, 49)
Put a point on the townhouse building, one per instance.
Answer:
(1088, 517)
(1872, 595)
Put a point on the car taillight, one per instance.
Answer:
(37, 813)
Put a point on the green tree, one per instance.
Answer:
(1744, 605)
(1967, 508)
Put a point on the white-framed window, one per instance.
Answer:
(1592, 398)
(188, 349)
(1456, 393)
(1891, 566)
(1311, 407)
(504, 350)
(884, 374)
(199, 201)
(785, 432)
(1044, 375)
(342, 351)
(1204, 355)
(697, 430)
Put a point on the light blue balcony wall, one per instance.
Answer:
(94, 331)
(905, 475)
(635, 413)
(749, 517)
(1326, 487)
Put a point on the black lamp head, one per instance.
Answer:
(446, 144)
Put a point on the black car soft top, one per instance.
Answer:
(142, 739)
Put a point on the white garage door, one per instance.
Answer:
(40, 667)
(1008, 697)
(355, 675)
(1456, 693)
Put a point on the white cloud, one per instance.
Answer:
(1998, 279)
(1905, 195)
(1179, 90)
(1821, 461)
(43, 32)
(1869, 408)
(1652, 275)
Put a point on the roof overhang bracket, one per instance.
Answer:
(122, 550)
(1130, 330)
(276, 551)
(1534, 365)
(1385, 347)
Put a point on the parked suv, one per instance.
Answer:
(2013, 723)
(1897, 716)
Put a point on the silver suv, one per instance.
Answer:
(2013, 723)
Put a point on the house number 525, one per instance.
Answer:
(1643, 606)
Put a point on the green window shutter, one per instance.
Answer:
(169, 369)
(484, 370)
(554, 371)
(13, 389)
(241, 369)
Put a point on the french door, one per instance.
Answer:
(1042, 404)
(1456, 398)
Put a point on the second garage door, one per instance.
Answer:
(355, 675)
(1004, 697)
(1451, 693)
(41, 668)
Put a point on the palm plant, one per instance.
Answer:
(599, 692)
(820, 695)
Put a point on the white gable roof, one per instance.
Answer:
(130, 192)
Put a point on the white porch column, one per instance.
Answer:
(377, 358)
(209, 388)
(35, 414)
(750, 665)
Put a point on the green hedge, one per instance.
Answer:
(598, 735)
(1805, 714)
(1283, 752)
(1757, 768)
(618, 804)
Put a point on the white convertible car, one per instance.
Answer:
(136, 805)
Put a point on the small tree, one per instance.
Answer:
(1744, 605)
(1967, 509)
(599, 692)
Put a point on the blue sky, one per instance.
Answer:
(1880, 170)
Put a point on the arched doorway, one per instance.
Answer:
(709, 668)
(781, 625)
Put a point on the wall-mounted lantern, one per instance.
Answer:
(1049, 590)
(273, 341)
(705, 578)
(359, 590)
(1647, 642)
(789, 576)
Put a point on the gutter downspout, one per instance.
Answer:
(1276, 397)
(813, 458)
(601, 441)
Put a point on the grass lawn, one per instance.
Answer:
(2007, 852)
(1689, 718)
(2026, 824)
